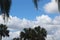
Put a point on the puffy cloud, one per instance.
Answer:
(44, 19)
(16, 24)
(55, 36)
(57, 20)
(51, 7)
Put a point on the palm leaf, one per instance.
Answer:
(36, 3)
(3, 30)
(5, 7)
(59, 5)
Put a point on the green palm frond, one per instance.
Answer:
(36, 3)
(5, 7)
(3, 30)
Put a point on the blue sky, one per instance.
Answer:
(25, 9)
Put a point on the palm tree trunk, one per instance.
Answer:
(0, 37)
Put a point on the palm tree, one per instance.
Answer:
(5, 8)
(3, 31)
(33, 34)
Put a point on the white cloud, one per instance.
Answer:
(44, 19)
(19, 23)
(49, 37)
(51, 7)
(51, 25)
(57, 20)
(12, 35)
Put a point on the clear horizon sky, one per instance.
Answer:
(26, 9)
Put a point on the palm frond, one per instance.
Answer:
(3, 30)
(36, 3)
(59, 5)
(5, 7)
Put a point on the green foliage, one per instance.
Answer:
(37, 33)
(5, 7)
(3, 30)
